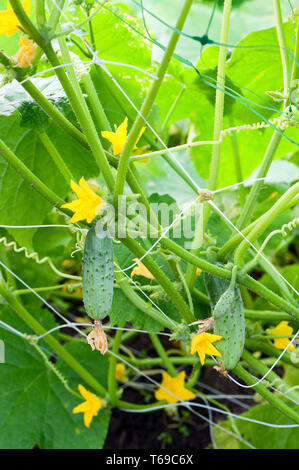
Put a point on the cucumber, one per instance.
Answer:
(97, 272)
(228, 311)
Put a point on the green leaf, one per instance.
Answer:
(258, 435)
(35, 407)
(253, 67)
(20, 204)
(123, 311)
(264, 437)
(116, 40)
(160, 178)
(223, 440)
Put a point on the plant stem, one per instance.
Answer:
(157, 361)
(237, 162)
(145, 307)
(40, 12)
(147, 104)
(166, 154)
(272, 377)
(270, 397)
(195, 248)
(271, 271)
(276, 137)
(162, 353)
(186, 288)
(282, 44)
(245, 280)
(267, 315)
(159, 275)
(168, 244)
(76, 98)
(45, 289)
(270, 350)
(203, 298)
(95, 103)
(52, 24)
(172, 108)
(218, 123)
(74, 94)
(295, 71)
(234, 241)
(196, 369)
(54, 114)
(55, 345)
(262, 224)
(28, 176)
(255, 189)
(91, 33)
(134, 406)
(219, 104)
(56, 157)
(112, 383)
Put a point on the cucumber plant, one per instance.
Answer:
(69, 113)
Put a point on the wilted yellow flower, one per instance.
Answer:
(119, 137)
(9, 22)
(141, 270)
(283, 329)
(120, 372)
(175, 385)
(25, 53)
(90, 407)
(88, 204)
(202, 344)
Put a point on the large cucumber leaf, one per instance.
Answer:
(32, 395)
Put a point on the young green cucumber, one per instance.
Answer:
(97, 272)
(228, 311)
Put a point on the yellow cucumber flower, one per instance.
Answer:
(283, 329)
(119, 137)
(198, 272)
(88, 204)
(120, 372)
(141, 270)
(25, 53)
(9, 23)
(202, 344)
(90, 407)
(175, 385)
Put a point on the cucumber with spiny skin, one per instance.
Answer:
(97, 272)
(228, 311)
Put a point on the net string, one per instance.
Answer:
(205, 79)
(97, 60)
(71, 325)
(204, 40)
(181, 402)
(209, 42)
(187, 174)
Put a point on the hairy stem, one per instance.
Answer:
(270, 397)
(162, 353)
(112, 383)
(56, 157)
(148, 103)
